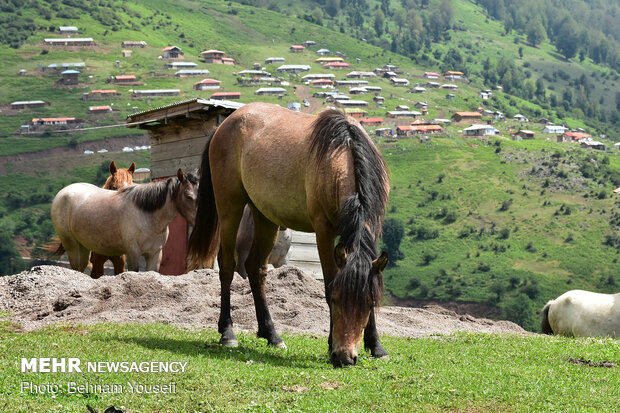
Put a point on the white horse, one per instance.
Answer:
(579, 313)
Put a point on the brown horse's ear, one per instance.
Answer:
(181, 176)
(380, 263)
(340, 255)
(132, 168)
(113, 168)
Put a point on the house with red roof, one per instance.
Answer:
(225, 95)
(297, 48)
(336, 65)
(371, 121)
(206, 84)
(466, 116)
(99, 109)
(123, 79)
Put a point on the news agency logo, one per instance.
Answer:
(75, 365)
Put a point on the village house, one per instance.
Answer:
(212, 56)
(155, 92)
(28, 104)
(557, 129)
(403, 114)
(480, 130)
(70, 41)
(323, 52)
(293, 68)
(327, 59)
(336, 65)
(421, 105)
(523, 134)
(130, 43)
(590, 144)
(229, 61)
(206, 84)
(270, 91)
(322, 83)
(254, 73)
(99, 109)
(68, 30)
(409, 130)
(431, 75)
(123, 79)
(466, 116)
(355, 112)
(272, 60)
(360, 75)
(350, 83)
(180, 65)
(375, 89)
(453, 74)
(309, 43)
(53, 121)
(56, 67)
(172, 52)
(449, 86)
(573, 136)
(417, 89)
(100, 94)
(384, 132)
(402, 107)
(126, 53)
(397, 81)
(433, 85)
(348, 103)
(370, 121)
(191, 72)
(225, 95)
(358, 91)
(316, 76)
(70, 77)
(519, 117)
(379, 100)
(484, 95)
(297, 48)
(450, 96)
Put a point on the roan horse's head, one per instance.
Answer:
(186, 196)
(356, 290)
(119, 178)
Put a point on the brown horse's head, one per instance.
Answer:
(186, 196)
(356, 290)
(119, 178)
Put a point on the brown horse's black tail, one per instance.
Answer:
(53, 249)
(545, 327)
(204, 243)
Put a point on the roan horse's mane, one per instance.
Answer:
(361, 216)
(152, 196)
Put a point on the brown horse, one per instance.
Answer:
(119, 178)
(309, 173)
(132, 221)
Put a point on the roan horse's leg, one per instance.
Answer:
(265, 235)
(77, 253)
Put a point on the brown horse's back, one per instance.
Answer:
(263, 152)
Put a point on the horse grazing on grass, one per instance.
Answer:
(119, 178)
(309, 173)
(132, 221)
(277, 257)
(579, 313)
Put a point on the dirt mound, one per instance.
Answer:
(45, 295)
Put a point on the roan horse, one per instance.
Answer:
(309, 173)
(132, 221)
(119, 178)
(579, 313)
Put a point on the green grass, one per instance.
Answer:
(471, 372)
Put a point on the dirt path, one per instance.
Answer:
(304, 93)
(48, 294)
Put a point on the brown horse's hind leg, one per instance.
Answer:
(119, 264)
(229, 224)
(265, 235)
(98, 261)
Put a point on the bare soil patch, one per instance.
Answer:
(46, 295)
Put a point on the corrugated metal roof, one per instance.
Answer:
(207, 102)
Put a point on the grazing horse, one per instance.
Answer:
(119, 178)
(309, 173)
(132, 221)
(579, 313)
(277, 257)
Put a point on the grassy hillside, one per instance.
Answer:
(511, 373)
(508, 224)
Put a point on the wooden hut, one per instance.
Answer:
(178, 134)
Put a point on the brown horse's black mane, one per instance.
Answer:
(362, 214)
(152, 196)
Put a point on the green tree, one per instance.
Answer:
(10, 259)
(379, 22)
(535, 33)
(393, 232)
(332, 7)
(567, 40)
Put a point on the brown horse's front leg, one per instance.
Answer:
(371, 338)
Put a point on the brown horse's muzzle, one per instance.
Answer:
(343, 359)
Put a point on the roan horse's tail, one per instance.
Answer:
(204, 243)
(545, 327)
(53, 249)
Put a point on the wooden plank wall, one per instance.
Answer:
(177, 146)
(303, 254)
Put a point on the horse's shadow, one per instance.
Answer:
(250, 352)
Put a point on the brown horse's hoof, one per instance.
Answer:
(229, 342)
(281, 345)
